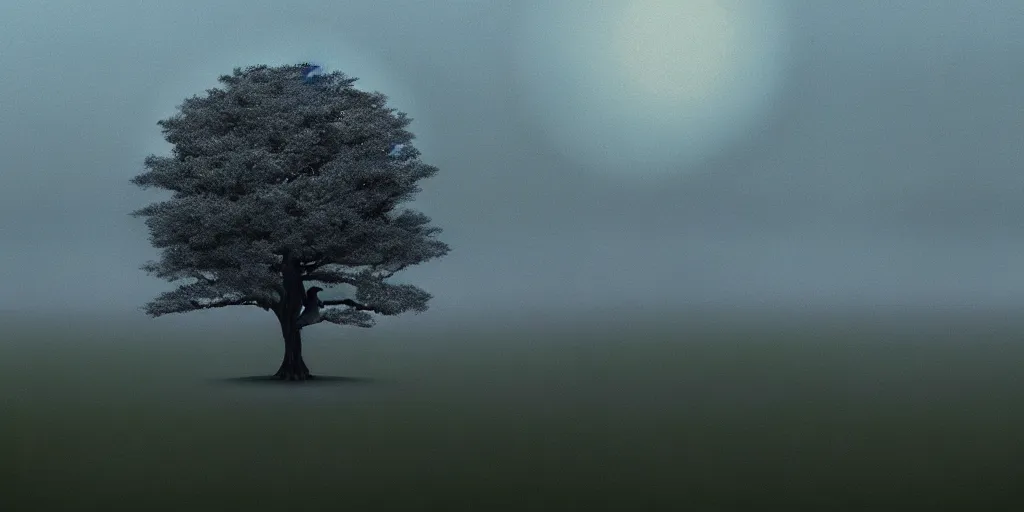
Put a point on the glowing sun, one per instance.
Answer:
(655, 85)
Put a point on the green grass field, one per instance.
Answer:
(699, 413)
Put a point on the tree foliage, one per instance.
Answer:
(273, 171)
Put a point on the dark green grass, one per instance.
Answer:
(635, 414)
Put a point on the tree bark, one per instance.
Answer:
(292, 366)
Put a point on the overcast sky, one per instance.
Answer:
(876, 157)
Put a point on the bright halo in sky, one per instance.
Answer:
(626, 86)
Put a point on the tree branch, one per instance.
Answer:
(199, 295)
(330, 277)
(350, 303)
(223, 303)
(312, 265)
(167, 305)
(347, 317)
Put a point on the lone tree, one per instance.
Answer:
(280, 180)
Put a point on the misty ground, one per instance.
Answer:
(703, 412)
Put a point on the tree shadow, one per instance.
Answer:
(313, 380)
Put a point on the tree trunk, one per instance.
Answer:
(292, 367)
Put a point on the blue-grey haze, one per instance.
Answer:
(887, 171)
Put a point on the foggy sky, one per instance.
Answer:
(888, 170)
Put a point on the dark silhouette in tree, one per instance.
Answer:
(311, 307)
(280, 180)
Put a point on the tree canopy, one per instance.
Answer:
(278, 180)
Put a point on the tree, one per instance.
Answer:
(280, 179)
